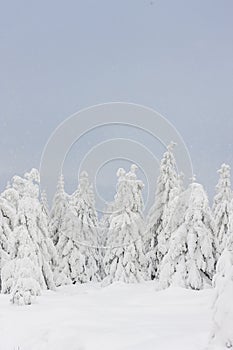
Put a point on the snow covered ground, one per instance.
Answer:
(118, 317)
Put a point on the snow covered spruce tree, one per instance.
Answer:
(124, 258)
(83, 202)
(222, 330)
(168, 187)
(44, 203)
(22, 274)
(28, 241)
(7, 219)
(58, 211)
(190, 260)
(222, 207)
(77, 244)
(104, 226)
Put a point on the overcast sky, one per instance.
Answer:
(175, 56)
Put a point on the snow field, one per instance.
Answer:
(117, 317)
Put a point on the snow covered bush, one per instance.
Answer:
(124, 258)
(190, 260)
(222, 207)
(77, 245)
(168, 187)
(222, 329)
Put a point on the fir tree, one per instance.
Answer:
(168, 187)
(7, 219)
(190, 260)
(44, 203)
(58, 211)
(27, 279)
(78, 242)
(30, 233)
(222, 207)
(222, 331)
(124, 258)
(104, 226)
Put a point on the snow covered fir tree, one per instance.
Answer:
(178, 244)
(31, 253)
(8, 201)
(222, 207)
(190, 259)
(222, 328)
(124, 258)
(157, 234)
(116, 175)
(77, 243)
(58, 210)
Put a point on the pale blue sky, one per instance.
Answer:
(175, 56)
